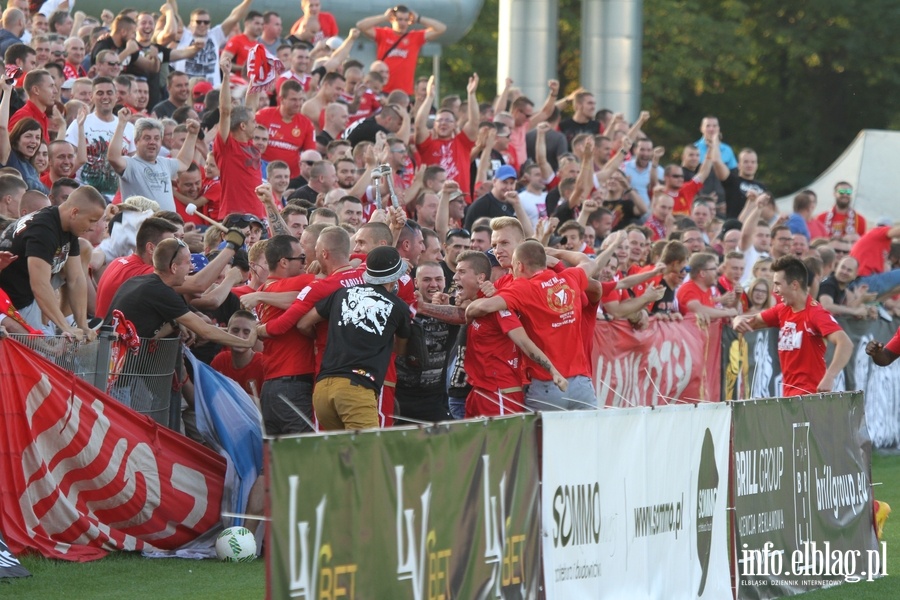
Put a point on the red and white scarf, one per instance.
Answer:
(850, 223)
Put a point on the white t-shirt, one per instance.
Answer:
(534, 205)
(97, 171)
(205, 63)
(751, 255)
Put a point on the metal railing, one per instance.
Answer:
(142, 381)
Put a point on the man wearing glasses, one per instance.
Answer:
(698, 295)
(842, 221)
(211, 40)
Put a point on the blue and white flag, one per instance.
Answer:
(230, 423)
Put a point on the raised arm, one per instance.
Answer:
(213, 333)
(225, 101)
(502, 99)
(748, 228)
(114, 151)
(186, 154)
(367, 26)
(5, 147)
(549, 104)
(442, 221)
(423, 111)
(342, 52)
(81, 156)
(540, 151)
(471, 126)
(237, 15)
(433, 28)
(612, 165)
(277, 226)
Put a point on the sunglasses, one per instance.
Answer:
(57, 53)
(844, 191)
(242, 221)
(301, 257)
(458, 232)
(202, 21)
(181, 245)
(112, 64)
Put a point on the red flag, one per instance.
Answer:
(81, 474)
(262, 70)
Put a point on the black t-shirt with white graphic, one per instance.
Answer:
(39, 235)
(362, 322)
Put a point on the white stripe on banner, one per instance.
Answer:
(634, 503)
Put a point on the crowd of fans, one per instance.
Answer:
(350, 195)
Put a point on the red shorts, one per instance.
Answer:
(494, 403)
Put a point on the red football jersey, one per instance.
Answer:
(492, 360)
(286, 140)
(292, 352)
(801, 347)
(550, 307)
(452, 155)
(118, 272)
(250, 378)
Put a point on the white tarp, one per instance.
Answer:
(869, 165)
(634, 503)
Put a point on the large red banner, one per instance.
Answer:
(666, 363)
(81, 474)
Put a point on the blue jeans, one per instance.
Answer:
(457, 407)
(881, 283)
(545, 396)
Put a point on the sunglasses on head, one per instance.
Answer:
(181, 245)
(458, 232)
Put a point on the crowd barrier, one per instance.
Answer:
(682, 362)
(634, 503)
(140, 379)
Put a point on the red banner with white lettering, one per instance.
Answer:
(82, 474)
(669, 362)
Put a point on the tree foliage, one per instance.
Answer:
(796, 80)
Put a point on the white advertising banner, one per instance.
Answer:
(634, 503)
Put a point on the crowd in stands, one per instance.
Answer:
(381, 251)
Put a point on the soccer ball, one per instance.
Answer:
(236, 544)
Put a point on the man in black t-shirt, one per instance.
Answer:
(838, 294)
(362, 323)
(122, 41)
(583, 119)
(156, 309)
(46, 243)
(388, 120)
(740, 181)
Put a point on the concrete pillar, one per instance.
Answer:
(611, 33)
(526, 46)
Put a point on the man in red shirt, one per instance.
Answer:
(246, 367)
(236, 156)
(290, 133)
(238, 48)
(151, 232)
(397, 45)
(315, 25)
(494, 347)
(42, 93)
(842, 221)
(442, 145)
(699, 294)
(287, 391)
(871, 252)
(805, 326)
(683, 192)
(549, 305)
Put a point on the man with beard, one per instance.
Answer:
(421, 372)
(146, 173)
(842, 221)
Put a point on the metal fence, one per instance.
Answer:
(141, 381)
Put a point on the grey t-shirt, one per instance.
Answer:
(151, 180)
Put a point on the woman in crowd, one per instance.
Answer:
(760, 295)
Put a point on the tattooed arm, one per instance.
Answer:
(277, 226)
(521, 339)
